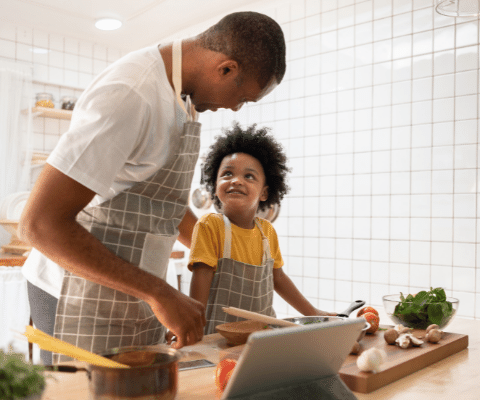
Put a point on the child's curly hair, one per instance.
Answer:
(258, 144)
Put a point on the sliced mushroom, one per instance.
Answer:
(404, 341)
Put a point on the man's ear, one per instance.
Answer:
(264, 195)
(228, 68)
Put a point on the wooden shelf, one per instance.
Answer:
(11, 260)
(50, 113)
(15, 246)
(39, 158)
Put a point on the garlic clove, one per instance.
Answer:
(371, 360)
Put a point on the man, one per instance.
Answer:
(112, 199)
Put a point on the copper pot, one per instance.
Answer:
(153, 374)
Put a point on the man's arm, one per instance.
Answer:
(186, 228)
(49, 224)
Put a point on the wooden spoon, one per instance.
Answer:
(238, 312)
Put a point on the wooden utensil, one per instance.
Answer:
(257, 317)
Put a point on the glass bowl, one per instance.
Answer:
(420, 317)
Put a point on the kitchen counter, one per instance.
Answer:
(453, 377)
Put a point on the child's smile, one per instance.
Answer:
(240, 188)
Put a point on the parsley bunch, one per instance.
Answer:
(18, 378)
(424, 309)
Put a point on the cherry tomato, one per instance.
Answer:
(365, 310)
(373, 320)
(224, 372)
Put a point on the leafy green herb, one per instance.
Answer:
(424, 309)
(312, 322)
(18, 378)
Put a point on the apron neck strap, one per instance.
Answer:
(265, 244)
(227, 246)
(177, 80)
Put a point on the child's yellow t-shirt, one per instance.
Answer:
(209, 238)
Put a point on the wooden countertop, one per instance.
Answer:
(454, 377)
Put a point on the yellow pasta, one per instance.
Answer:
(49, 343)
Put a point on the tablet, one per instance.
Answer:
(294, 357)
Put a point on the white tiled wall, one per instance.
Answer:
(379, 116)
(62, 66)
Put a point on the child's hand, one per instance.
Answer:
(169, 336)
(325, 313)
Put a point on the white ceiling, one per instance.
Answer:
(144, 21)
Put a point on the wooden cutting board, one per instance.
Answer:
(400, 362)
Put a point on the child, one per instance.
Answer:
(235, 257)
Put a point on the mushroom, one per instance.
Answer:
(434, 335)
(430, 327)
(391, 335)
(371, 360)
(416, 341)
(402, 329)
(355, 348)
(405, 340)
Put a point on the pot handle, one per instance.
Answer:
(63, 368)
(356, 304)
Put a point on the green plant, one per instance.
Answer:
(424, 308)
(19, 378)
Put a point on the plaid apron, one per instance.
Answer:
(139, 225)
(241, 285)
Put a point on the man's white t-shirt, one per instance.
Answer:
(124, 126)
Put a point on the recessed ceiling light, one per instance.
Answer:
(108, 24)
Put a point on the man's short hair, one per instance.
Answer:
(255, 41)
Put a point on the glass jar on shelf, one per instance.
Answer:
(68, 102)
(44, 100)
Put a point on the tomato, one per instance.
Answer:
(373, 320)
(365, 310)
(224, 372)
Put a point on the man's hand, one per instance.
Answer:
(182, 315)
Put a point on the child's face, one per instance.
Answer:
(241, 184)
